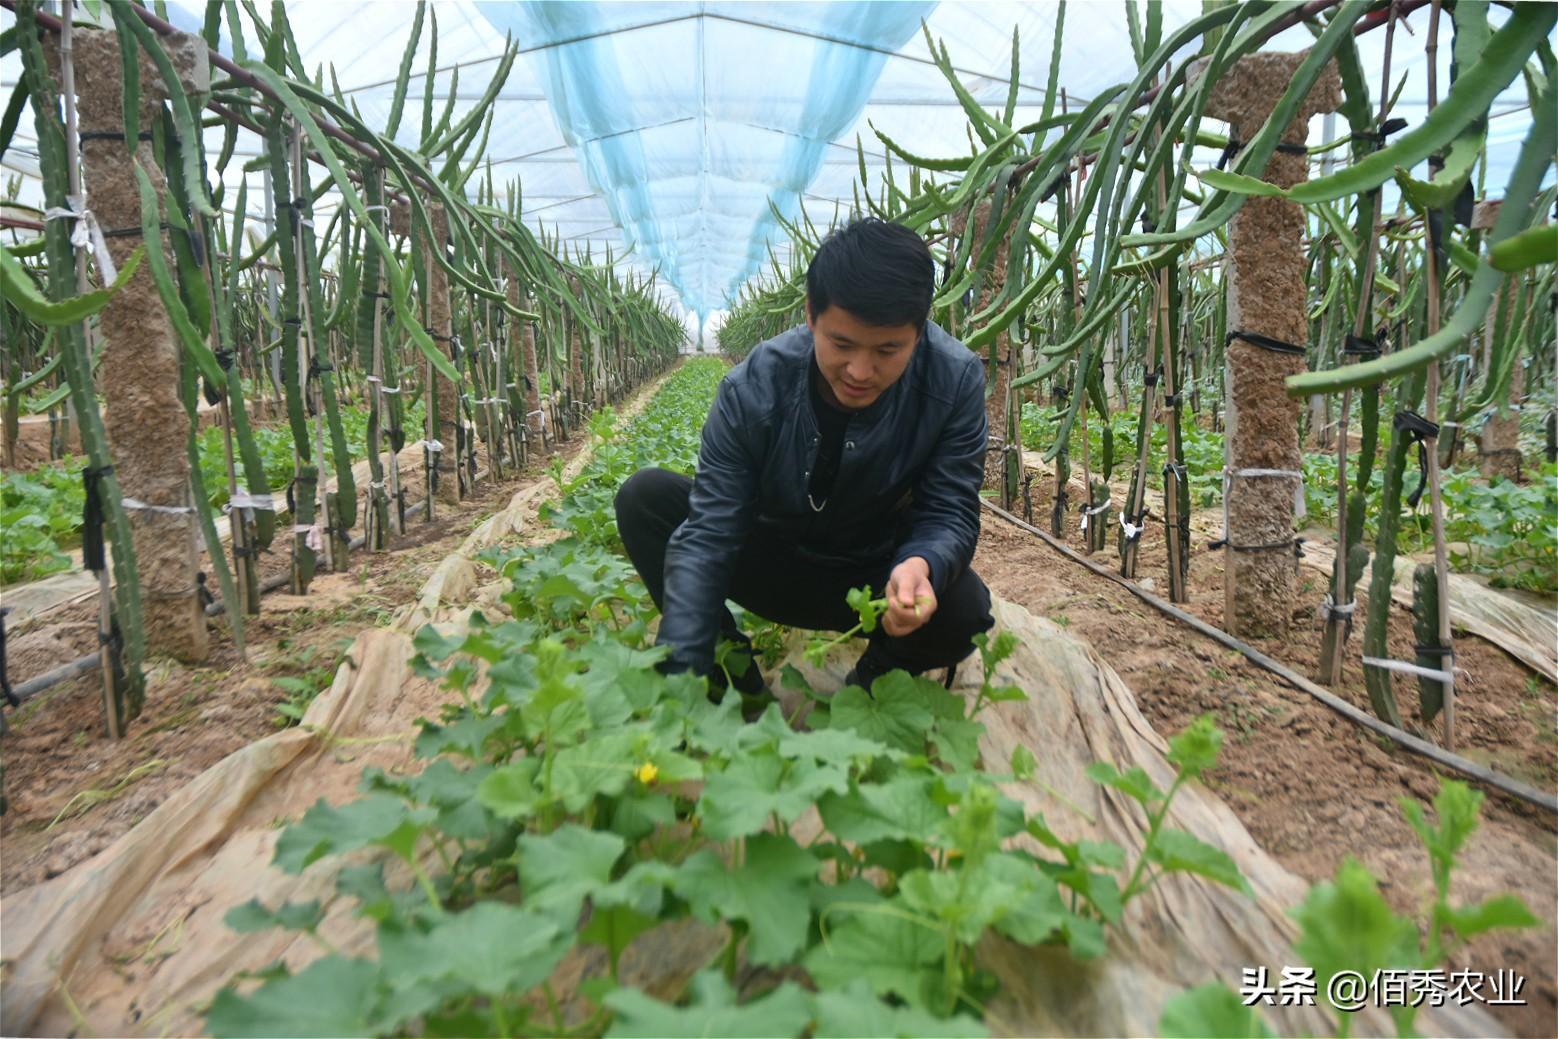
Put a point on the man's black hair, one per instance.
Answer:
(880, 272)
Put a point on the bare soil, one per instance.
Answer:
(1310, 787)
(71, 791)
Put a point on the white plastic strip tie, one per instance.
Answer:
(86, 233)
(373, 378)
(380, 209)
(1330, 607)
(242, 499)
(1447, 677)
(136, 505)
(1132, 531)
(433, 446)
(314, 540)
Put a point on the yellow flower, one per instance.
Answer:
(647, 772)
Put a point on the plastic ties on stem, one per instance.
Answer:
(136, 505)
(1087, 514)
(1417, 430)
(243, 499)
(1358, 346)
(313, 537)
(1447, 676)
(93, 515)
(86, 234)
(1265, 342)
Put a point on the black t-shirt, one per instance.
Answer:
(832, 421)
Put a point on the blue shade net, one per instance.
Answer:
(691, 118)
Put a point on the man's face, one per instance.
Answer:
(859, 361)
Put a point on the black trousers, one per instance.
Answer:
(775, 581)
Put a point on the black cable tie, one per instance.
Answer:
(1295, 543)
(1434, 651)
(1153, 377)
(1148, 226)
(315, 369)
(94, 514)
(1265, 342)
(225, 358)
(1389, 127)
(292, 321)
(131, 232)
(1178, 469)
(1357, 346)
(112, 135)
(1234, 146)
(1172, 400)
(1419, 430)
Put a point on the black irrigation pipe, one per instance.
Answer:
(33, 686)
(1438, 755)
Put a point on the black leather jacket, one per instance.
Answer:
(907, 484)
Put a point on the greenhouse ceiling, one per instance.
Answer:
(670, 132)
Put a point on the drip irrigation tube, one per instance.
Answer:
(1439, 756)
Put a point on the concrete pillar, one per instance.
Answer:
(441, 328)
(1267, 295)
(146, 422)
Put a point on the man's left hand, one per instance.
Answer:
(910, 598)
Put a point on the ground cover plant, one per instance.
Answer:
(571, 796)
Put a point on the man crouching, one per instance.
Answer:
(845, 452)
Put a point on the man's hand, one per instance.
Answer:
(910, 598)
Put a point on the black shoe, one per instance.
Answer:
(866, 671)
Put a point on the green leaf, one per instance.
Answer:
(739, 799)
(511, 792)
(614, 928)
(1346, 924)
(17, 286)
(957, 743)
(378, 819)
(1023, 762)
(1498, 911)
(885, 945)
(253, 916)
(491, 948)
(1238, 184)
(1135, 783)
(855, 1011)
(1195, 749)
(712, 1011)
(1178, 852)
(558, 870)
(1527, 249)
(1210, 1011)
(331, 996)
(901, 808)
(899, 715)
(765, 891)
